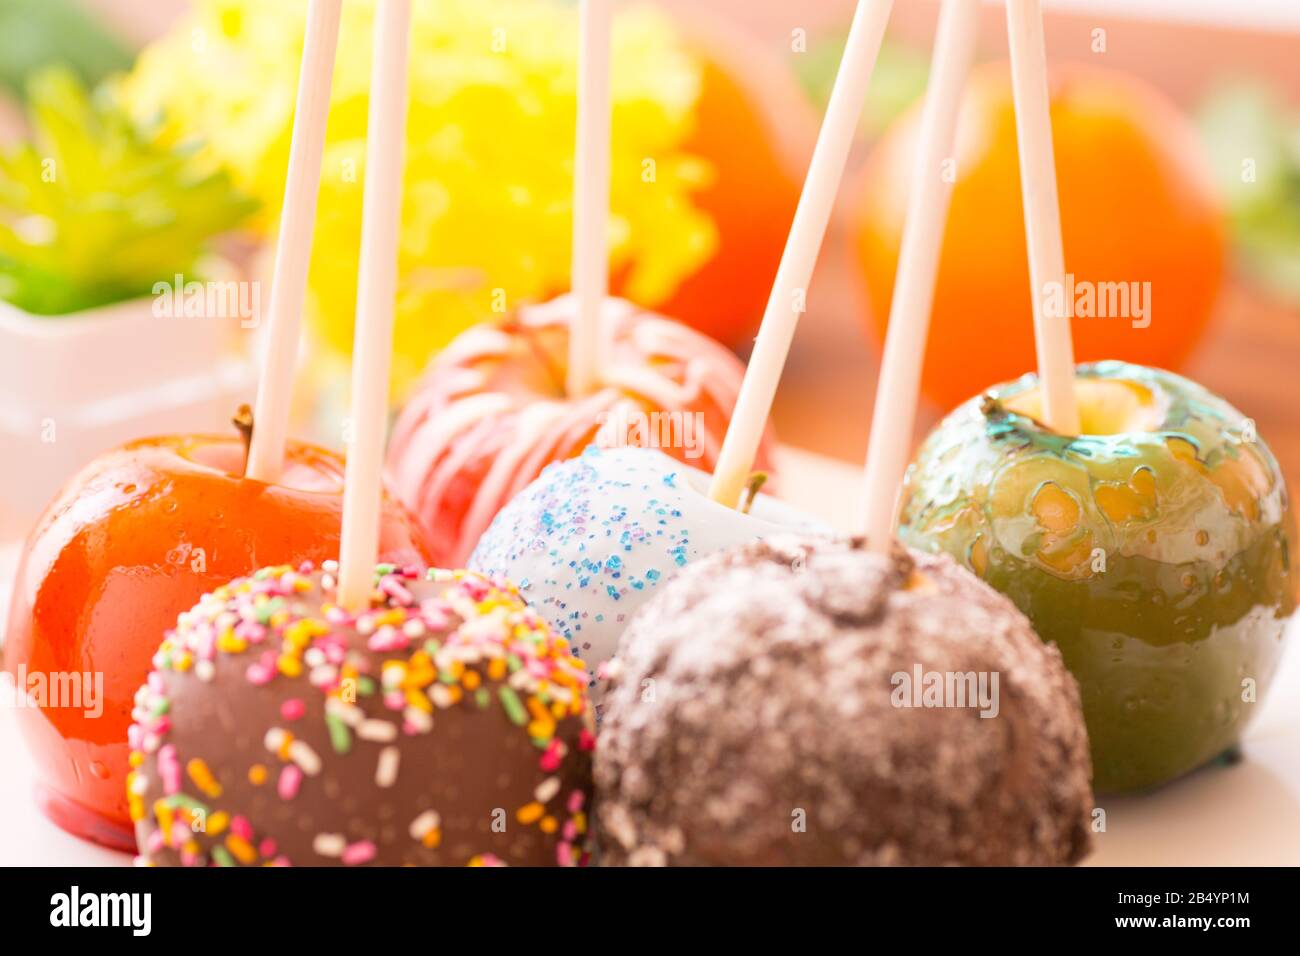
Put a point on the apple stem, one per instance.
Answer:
(811, 218)
(293, 244)
(894, 415)
(243, 422)
(381, 216)
(1055, 350)
(756, 482)
(590, 265)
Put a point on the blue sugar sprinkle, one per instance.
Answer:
(652, 574)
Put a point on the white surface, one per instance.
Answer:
(74, 386)
(1247, 814)
(26, 837)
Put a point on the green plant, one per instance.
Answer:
(897, 82)
(95, 209)
(36, 33)
(1254, 141)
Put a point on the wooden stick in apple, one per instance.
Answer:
(589, 268)
(293, 245)
(789, 291)
(376, 289)
(894, 415)
(1042, 213)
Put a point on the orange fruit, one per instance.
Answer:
(755, 128)
(1137, 206)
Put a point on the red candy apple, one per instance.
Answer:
(132, 541)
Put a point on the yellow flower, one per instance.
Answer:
(489, 163)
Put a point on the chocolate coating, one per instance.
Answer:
(752, 719)
(446, 726)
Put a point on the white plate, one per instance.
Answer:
(1246, 814)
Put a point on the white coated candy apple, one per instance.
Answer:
(592, 538)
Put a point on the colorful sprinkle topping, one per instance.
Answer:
(381, 677)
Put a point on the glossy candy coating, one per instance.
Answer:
(1161, 561)
(133, 540)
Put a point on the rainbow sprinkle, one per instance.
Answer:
(472, 644)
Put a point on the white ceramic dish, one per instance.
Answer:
(73, 386)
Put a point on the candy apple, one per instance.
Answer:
(595, 537)
(133, 540)
(1157, 549)
(493, 410)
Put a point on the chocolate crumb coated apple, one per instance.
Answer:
(445, 725)
(802, 701)
(1156, 549)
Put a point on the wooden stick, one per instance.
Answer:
(589, 269)
(1042, 213)
(376, 289)
(293, 245)
(918, 263)
(811, 218)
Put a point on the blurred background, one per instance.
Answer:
(167, 122)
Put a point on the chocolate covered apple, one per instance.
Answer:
(1157, 549)
(763, 712)
(442, 724)
(134, 539)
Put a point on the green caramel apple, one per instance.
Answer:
(1156, 549)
